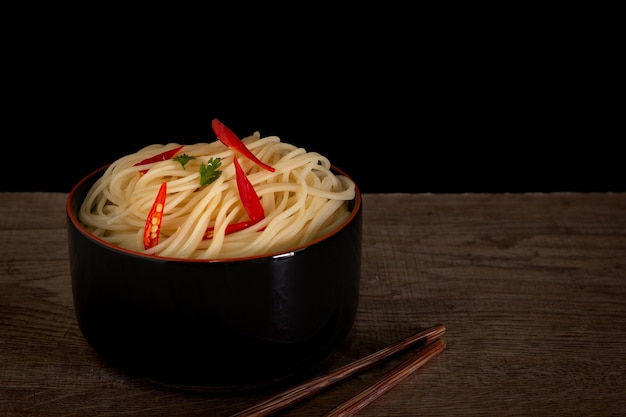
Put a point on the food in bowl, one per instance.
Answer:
(226, 264)
(204, 194)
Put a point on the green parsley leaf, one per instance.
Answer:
(209, 172)
(183, 159)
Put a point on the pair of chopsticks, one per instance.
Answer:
(431, 344)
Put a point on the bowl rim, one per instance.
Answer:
(287, 253)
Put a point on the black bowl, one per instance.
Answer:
(224, 324)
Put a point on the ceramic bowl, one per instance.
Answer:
(224, 324)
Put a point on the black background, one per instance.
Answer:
(476, 111)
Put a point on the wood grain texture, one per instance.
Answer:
(531, 289)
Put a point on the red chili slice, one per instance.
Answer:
(153, 222)
(231, 228)
(163, 156)
(247, 194)
(230, 139)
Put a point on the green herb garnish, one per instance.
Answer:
(183, 159)
(210, 172)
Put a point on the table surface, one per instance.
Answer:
(531, 289)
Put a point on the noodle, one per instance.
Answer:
(303, 199)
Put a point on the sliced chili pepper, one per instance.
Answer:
(163, 156)
(247, 194)
(231, 228)
(153, 222)
(230, 139)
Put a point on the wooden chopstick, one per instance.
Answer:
(309, 388)
(388, 381)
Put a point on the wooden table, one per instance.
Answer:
(531, 289)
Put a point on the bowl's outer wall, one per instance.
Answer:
(215, 323)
